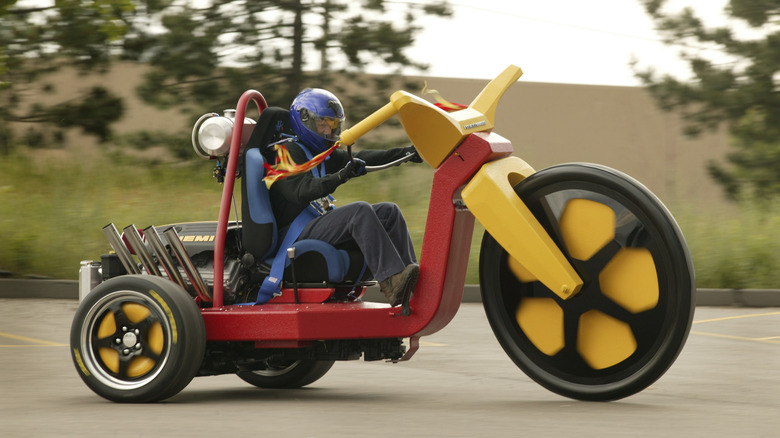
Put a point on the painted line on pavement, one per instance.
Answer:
(35, 342)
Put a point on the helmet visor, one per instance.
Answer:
(328, 128)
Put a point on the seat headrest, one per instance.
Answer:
(272, 123)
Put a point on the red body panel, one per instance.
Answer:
(439, 290)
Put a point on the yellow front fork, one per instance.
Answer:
(491, 198)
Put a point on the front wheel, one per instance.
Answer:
(287, 374)
(627, 325)
(137, 338)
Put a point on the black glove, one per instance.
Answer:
(353, 169)
(409, 150)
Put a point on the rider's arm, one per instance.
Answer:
(289, 196)
(376, 157)
(305, 187)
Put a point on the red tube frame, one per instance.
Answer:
(439, 290)
(227, 191)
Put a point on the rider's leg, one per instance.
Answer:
(359, 222)
(393, 221)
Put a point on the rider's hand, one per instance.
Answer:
(354, 168)
(410, 150)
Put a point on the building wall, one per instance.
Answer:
(618, 127)
(547, 123)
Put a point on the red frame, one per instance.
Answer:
(439, 290)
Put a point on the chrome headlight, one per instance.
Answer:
(212, 133)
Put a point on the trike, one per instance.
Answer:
(585, 277)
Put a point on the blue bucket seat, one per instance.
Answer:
(316, 262)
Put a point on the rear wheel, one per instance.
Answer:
(627, 325)
(137, 338)
(287, 374)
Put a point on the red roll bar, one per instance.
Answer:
(227, 190)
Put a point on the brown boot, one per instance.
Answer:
(397, 287)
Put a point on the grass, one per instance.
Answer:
(52, 211)
(738, 249)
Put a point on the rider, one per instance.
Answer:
(380, 231)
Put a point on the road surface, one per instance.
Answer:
(726, 382)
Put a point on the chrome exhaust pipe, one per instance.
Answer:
(184, 260)
(120, 249)
(131, 233)
(162, 255)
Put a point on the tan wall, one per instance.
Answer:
(615, 126)
(122, 80)
(547, 123)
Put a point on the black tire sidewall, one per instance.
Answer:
(176, 309)
(305, 372)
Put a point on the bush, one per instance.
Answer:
(53, 209)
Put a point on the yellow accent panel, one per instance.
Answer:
(586, 227)
(541, 319)
(169, 314)
(604, 341)
(155, 338)
(135, 312)
(520, 271)
(110, 358)
(487, 100)
(80, 362)
(139, 366)
(107, 326)
(493, 201)
(630, 279)
(434, 132)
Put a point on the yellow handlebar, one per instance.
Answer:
(379, 116)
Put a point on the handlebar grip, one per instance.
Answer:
(379, 116)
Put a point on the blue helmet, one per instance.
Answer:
(317, 116)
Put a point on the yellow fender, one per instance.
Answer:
(491, 198)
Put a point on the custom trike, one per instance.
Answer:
(585, 277)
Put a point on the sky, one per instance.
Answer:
(560, 41)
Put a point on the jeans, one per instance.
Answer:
(378, 229)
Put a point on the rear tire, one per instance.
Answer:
(137, 338)
(287, 374)
(630, 320)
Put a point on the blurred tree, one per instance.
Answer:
(42, 38)
(203, 54)
(210, 53)
(736, 73)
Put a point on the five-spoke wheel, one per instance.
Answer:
(629, 322)
(137, 338)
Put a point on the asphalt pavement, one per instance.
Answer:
(68, 289)
(460, 384)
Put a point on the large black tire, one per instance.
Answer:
(137, 339)
(287, 374)
(632, 317)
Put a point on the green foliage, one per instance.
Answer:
(52, 211)
(203, 55)
(40, 39)
(179, 145)
(740, 92)
(223, 47)
(739, 250)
